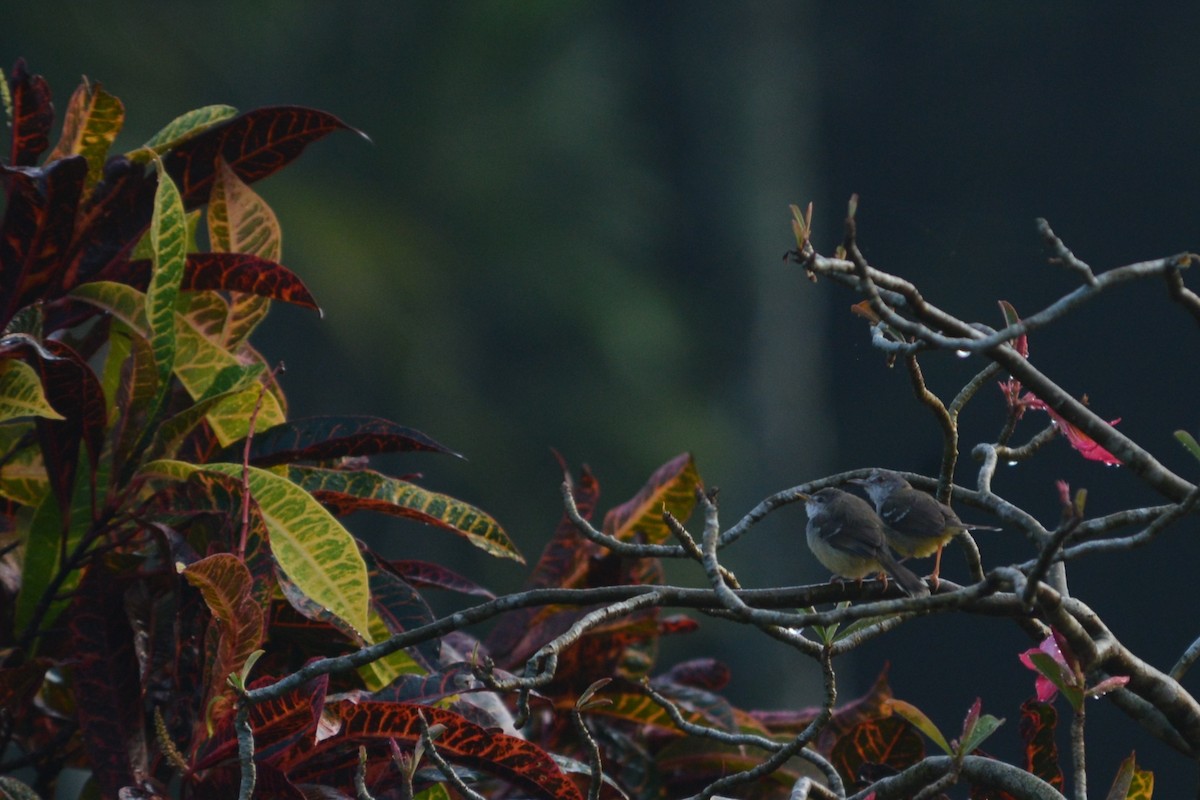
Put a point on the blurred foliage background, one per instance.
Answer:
(568, 230)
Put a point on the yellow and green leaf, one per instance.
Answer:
(168, 240)
(351, 490)
(671, 488)
(90, 126)
(21, 393)
(312, 548)
(23, 475)
(180, 129)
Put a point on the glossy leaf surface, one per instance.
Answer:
(343, 491)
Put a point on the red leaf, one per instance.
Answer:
(702, 673)
(324, 438)
(32, 115)
(890, 742)
(461, 742)
(1085, 444)
(110, 221)
(400, 606)
(37, 229)
(677, 623)
(426, 575)
(108, 693)
(1038, 721)
(255, 144)
(564, 563)
(278, 724)
(235, 272)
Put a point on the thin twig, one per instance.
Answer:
(443, 766)
(1186, 660)
(1063, 254)
(945, 421)
(1079, 751)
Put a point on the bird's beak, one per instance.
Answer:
(857, 481)
(803, 496)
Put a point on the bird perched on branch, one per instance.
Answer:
(918, 524)
(847, 536)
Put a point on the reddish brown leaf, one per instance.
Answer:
(890, 742)
(677, 623)
(401, 607)
(108, 694)
(110, 221)
(278, 725)
(864, 310)
(702, 673)
(325, 438)
(18, 685)
(32, 113)
(462, 742)
(564, 563)
(426, 575)
(845, 717)
(236, 272)
(1037, 725)
(226, 585)
(255, 144)
(37, 229)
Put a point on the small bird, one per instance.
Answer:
(848, 537)
(918, 524)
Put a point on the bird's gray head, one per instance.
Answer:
(880, 484)
(817, 502)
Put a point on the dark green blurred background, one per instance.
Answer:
(568, 233)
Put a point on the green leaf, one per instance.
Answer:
(181, 129)
(168, 241)
(23, 479)
(349, 490)
(200, 363)
(1131, 782)
(91, 124)
(1189, 442)
(984, 727)
(48, 537)
(1057, 674)
(21, 393)
(919, 721)
(671, 488)
(311, 547)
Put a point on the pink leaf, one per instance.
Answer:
(1085, 444)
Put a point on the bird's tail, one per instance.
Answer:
(912, 585)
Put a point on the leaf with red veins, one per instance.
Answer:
(1086, 445)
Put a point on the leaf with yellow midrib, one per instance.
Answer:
(311, 547)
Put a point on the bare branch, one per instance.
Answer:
(976, 769)
(1063, 254)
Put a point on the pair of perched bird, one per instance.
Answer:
(853, 540)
